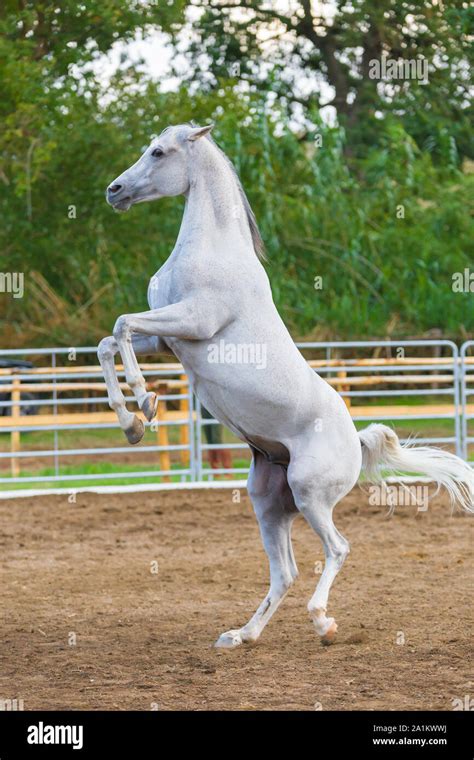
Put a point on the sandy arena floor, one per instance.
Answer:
(87, 623)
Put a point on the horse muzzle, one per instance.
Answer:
(116, 196)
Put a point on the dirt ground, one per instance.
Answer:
(88, 622)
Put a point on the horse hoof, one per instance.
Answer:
(150, 406)
(229, 640)
(136, 431)
(330, 636)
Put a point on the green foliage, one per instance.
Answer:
(322, 212)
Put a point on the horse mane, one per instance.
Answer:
(258, 244)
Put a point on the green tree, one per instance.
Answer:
(63, 139)
(296, 53)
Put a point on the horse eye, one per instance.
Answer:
(157, 153)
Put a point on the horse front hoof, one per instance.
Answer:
(150, 405)
(136, 431)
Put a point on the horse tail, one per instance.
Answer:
(382, 451)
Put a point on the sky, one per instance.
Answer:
(152, 55)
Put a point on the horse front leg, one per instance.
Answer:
(142, 344)
(180, 320)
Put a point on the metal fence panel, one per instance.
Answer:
(456, 371)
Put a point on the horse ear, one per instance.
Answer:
(197, 132)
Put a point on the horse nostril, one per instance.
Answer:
(114, 188)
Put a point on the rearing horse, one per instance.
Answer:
(214, 292)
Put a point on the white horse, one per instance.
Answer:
(212, 294)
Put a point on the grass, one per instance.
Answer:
(418, 428)
(93, 438)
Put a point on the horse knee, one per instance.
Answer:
(121, 329)
(106, 349)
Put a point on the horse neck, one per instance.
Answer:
(214, 211)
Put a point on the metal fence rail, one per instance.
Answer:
(433, 382)
(467, 390)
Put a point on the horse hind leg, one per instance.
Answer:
(275, 510)
(336, 549)
(316, 496)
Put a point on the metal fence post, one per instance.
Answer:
(465, 392)
(199, 462)
(457, 411)
(15, 434)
